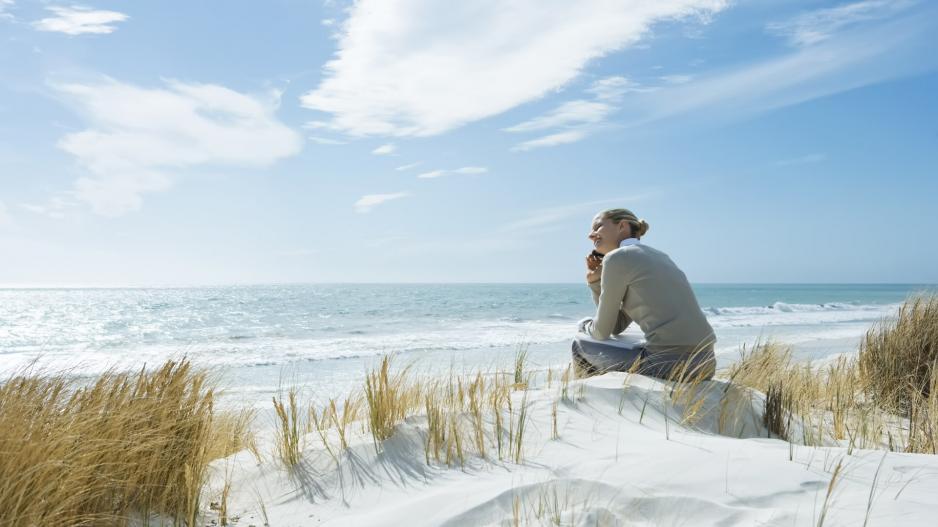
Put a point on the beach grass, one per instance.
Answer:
(289, 439)
(884, 398)
(125, 446)
(899, 357)
(138, 445)
(390, 398)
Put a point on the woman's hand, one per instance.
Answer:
(594, 268)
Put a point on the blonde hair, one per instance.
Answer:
(639, 227)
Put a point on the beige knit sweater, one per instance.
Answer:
(642, 284)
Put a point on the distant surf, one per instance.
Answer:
(89, 330)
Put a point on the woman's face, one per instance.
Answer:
(606, 234)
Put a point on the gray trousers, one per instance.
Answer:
(680, 363)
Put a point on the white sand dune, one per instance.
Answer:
(618, 461)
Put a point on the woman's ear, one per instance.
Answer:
(625, 230)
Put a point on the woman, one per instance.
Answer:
(630, 282)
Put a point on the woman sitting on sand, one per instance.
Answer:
(631, 281)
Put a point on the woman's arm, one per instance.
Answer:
(608, 295)
(623, 320)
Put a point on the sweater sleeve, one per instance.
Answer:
(595, 289)
(622, 320)
(613, 287)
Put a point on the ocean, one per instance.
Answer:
(324, 336)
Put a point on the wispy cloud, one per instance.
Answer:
(326, 140)
(431, 174)
(471, 170)
(464, 170)
(803, 160)
(574, 120)
(569, 113)
(559, 138)
(819, 25)
(78, 20)
(140, 140)
(5, 6)
(846, 60)
(369, 201)
(543, 217)
(676, 79)
(384, 150)
(408, 166)
(54, 208)
(315, 125)
(385, 80)
(612, 89)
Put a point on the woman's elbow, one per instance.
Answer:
(599, 335)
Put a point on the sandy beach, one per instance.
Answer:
(623, 457)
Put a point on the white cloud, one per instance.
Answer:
(611, 89)
(369, 201)
(848, 60)
(384, 150)
(325, 140)
(819, 25)
(408, 166)
(386, 80)
(432, 174)
(676, 79)
(140, 140)
(567, 114)
(544, 217)
(55, 208)
(574, 120)
(77, 20)
(5, 5)
(471, 170)
(462, 171)
(315, 125)
(559, 138)
(803, 160)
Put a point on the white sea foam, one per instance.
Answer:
(783, 307)
(89, 331)
(782, 314)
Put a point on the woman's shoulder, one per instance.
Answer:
(633, 253)
(622, 254)
(628, 251)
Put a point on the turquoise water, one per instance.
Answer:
(327, 332)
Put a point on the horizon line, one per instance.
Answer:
(273, 284)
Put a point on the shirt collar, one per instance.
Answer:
(629, 241)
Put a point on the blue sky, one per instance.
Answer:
(165, 143)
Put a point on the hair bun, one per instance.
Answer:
(642, 228)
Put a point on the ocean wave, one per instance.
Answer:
(783, 307)
(784, 314)
(96, 346)
(88, 359)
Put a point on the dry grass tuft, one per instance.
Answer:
(126, 445)
(289, 428)
(521, 359)
(886, 398)
(776, 415)
(390, 398)
(232, 432)
(898, 358)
